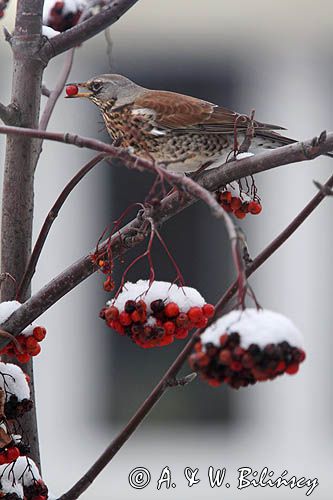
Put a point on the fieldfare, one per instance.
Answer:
(182, 133)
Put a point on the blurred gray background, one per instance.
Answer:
(276, 58)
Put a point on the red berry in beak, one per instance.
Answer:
(72, 90)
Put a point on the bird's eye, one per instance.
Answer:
(96, 86)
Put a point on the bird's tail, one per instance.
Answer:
(272, 140)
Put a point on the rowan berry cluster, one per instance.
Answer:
(158, 322)
(238, 206)
(22, 481)
(27, 345)
(237, 359)
(231, 364)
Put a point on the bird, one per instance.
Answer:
(179, 132)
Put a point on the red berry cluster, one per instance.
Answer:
(168, 322)
(3, 6)
(29, 345)
(234, 204)
(60, 21)
(238, 367)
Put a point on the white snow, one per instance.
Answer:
(186, 297)
(241, 156)
(7, 486)
(254, 326)
(16, 470)
(69, 6)
(7, 309)
(13, 381)
(49, 32)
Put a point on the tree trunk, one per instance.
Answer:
(18, 195)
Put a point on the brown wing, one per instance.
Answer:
(184, 113)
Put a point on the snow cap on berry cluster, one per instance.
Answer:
(7, 309)
(13, 381)
(7, 486)
(24, 470)
(185, 297)
(255, 326)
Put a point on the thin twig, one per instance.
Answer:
(87, 479)
(52, 215)
(56, 92)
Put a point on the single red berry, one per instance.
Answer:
(255, 207)
(23, 358)
(240, 214)
(35, 351)
(136, 317)
(111, 313)
(224, 339)
(202, 359)
(182, 320)
(169, 327)
(171, 310)
(281, 366)
(202, 323)
(125, 319)
(108, 284)
(116, 325)
(181, 333)
(225, 357)
(195, 314)
(235, 203)
(12, 454)
(72, 89)
(27, 378)
(247, 361)
(213, 382)
(292, 369)
(31, 344)
(39, 332)
(236, 366)
(166, 340)
(208, 310)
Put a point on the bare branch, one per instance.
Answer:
(293, 153)
(56, 92)
(87, 29)
(52, 215)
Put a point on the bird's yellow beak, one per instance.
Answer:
(72, 90)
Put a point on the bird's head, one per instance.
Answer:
(103, 89)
